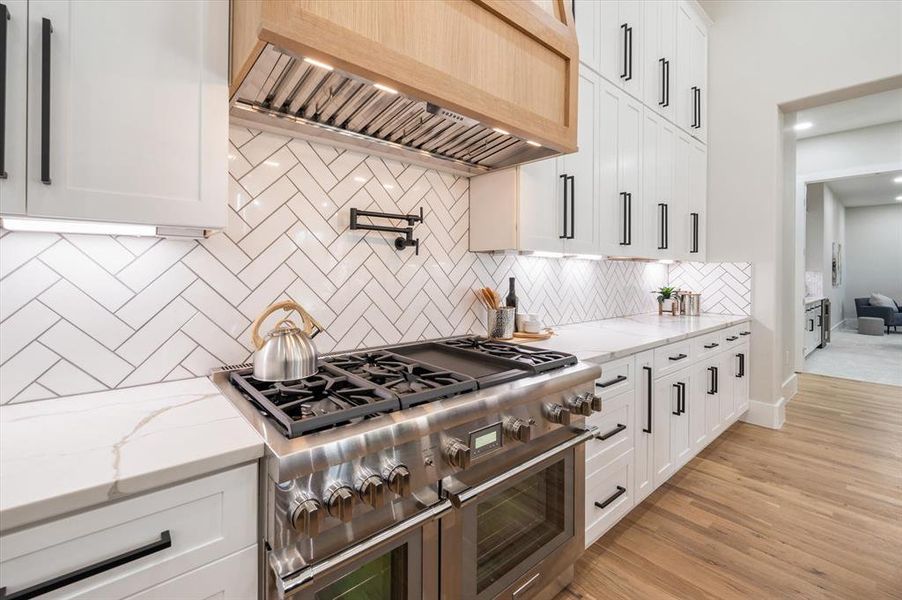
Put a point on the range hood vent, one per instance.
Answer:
(312, 100)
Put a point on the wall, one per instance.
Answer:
(761, 55)
(824, 226)
(873, 253)
(869, 149)
(726, 288)
(84, 313)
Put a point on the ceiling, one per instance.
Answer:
(876, 109)
(867, 190)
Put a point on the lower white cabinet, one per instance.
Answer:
(188, 532)
(659, 409)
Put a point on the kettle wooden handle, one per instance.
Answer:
(311, 326)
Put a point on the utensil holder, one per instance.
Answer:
(500, 323)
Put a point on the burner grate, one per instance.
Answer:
(539, 358)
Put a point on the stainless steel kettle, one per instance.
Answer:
(287, 352)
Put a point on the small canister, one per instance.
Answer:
(691, 304)
(500, 323)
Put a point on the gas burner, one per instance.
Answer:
(327, 399)
(413, 381)
(538, 358)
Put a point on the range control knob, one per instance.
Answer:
(458, 454)
(398, 480)
(517, 429)
(581, 405)
(371, 490)
(340, 503)
(557, 414)
(306, 516)
(595, 401)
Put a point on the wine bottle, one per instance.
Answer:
(511, 300)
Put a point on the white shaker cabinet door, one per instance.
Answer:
(14, 26)
(540, 209)
(128, 118)
(580, 172)
(645, 427)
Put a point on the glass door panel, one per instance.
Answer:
(383, 578)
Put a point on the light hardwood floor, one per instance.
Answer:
(813, 510)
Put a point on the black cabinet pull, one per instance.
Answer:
(611, 382)
(694, 248)
(732, 338)
(4, 17)
(663, 210)
(716, 380)
(572, 206)
(698, 107)
(663, 63)
(694, 107)
(677, 412)
(56, 583)
(625, 72)
(820, 320)
(711, 388)
(620, 427)
(741, 357)
(46, 30)
(629, 31)
(563, 236)
(745, 333)
(627, 218)
(682, 397)
(648, 397)
(605, 503)
(680, 356)
(711, 345)
(810, 325)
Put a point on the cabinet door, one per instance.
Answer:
(680, 439)
(586, 14)
(704, 392)
(541, 205)
(726, 368)
(580, 166)
(659, 198)
(631, 16)
(740, 375)
(691, 72)
(699, 68)
(659, 53)
(644, 427)
(666, 431)
(136, 111)
(621, 43)
(678, 225)
(619, 181)
(12, 164)
(698, 201)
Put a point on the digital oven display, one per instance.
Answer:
(483, 441)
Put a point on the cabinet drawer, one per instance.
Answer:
(615, 431)
(609, 496)
(231, 578)
(616, 376)
(672, 357)
(731, 337)
(707, 345)
(203, 520)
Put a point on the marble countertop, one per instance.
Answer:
(601, 341)
(66, 454)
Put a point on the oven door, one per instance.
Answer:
(514, 533)
(399, 563)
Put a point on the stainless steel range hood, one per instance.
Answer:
(309, 99)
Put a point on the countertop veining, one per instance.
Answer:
(67, 454)
(601, 341)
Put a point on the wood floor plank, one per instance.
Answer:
(813, 510)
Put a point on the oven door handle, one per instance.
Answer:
(459, 499)
(301, 578)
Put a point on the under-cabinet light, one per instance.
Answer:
(532, 143)
(897, 180)
(501, 131)
(898, 198)
(803, 126)
(385, 88)
(585, 256)
(53, 226)
(543, 254)
(666, 261)
(316, 63)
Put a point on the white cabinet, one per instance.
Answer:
(587, 16)
(550, 205)
(128, 116)
(703, 402)
(740, 379)
(621, 34)
(12, 144)
(672, 447)
(644, 481)
(659, 56)
(690, 101)
(659, 146)
(698, 201)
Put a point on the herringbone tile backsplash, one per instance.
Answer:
(84, 313)
(726, 288)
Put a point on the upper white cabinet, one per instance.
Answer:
(12, 145)
(128, 118)
(698, 201)
(691, 100)
(659, 56)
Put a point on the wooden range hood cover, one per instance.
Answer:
(481, 84)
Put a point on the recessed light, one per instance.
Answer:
(316, 63)
(501, 131)
(898, 179)
(532, 143)
(803, 126)
(385, 88)
(898, 198)
(52, 226)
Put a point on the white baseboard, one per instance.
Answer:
(766, 414)
(790, 387)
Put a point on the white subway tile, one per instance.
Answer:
(85, 353)
(82, 311)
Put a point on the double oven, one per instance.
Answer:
(509, 526)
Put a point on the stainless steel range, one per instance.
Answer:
(447, 469)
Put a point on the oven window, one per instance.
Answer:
(517, 522)
(383, 578)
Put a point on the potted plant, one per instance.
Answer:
(666, 296)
